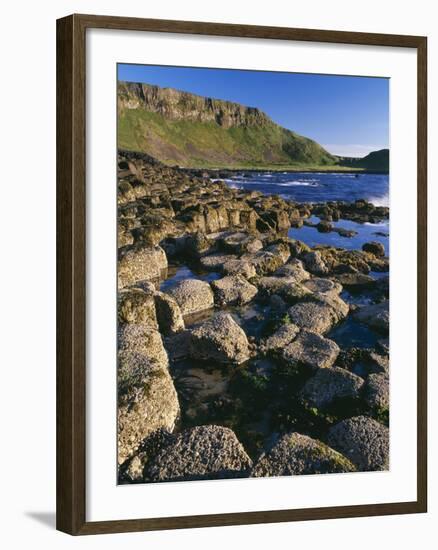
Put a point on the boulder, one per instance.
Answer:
(202, 452)
(281, 338)
(325, 287)
(374, 247)
(314, 263)
(192, 296)
(147, 401)
(363, 440)
(376, 391)
(239, 267)
(285, 287)
(329, 385)
(324, 226)
(144, 340)
(141, 264)
(238, 243)
(355, 280)
(311, 350)
(375, 316)
(294, 269)
(136, 306)
(219, 339)
(215, 262)
(297, 454)
(317, 317)
(233, 289)
(169, 316)
(264, 262)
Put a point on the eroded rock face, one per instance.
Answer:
(375, 316)
(233, 289)
(363, 440)
(376, 391)
(147, 400)
(219, 339)
(296, 454)
(141, 264)
(144, 340)
(311, 350)
(192, 296)
(137, 306)
(212, 452)
(330, 384)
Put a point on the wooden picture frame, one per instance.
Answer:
(71, 272)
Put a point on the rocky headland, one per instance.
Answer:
(228, 360)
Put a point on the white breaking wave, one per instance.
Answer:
(298, 183)
(380, 201)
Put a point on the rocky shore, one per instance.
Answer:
(228, 361)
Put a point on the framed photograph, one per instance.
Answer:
(241, 287)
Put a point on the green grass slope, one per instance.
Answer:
(190, 143)
(376, 161)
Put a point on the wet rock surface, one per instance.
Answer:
(235, 355)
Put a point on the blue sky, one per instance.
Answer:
(348, 115)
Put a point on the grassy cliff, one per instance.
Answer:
(192, 131)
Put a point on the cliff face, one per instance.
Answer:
(178, 105)
(181, 128)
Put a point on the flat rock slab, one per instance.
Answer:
(312, 350)
(233, 289)
(219, 339)
(147, 401)
(330, 384)
(203, 452)
(296, 454)
(363, 440)
(192, 296)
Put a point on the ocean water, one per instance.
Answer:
(322, 187)
(317, 186)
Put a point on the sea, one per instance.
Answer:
(314, 187)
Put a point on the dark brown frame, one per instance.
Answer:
(71, 266)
